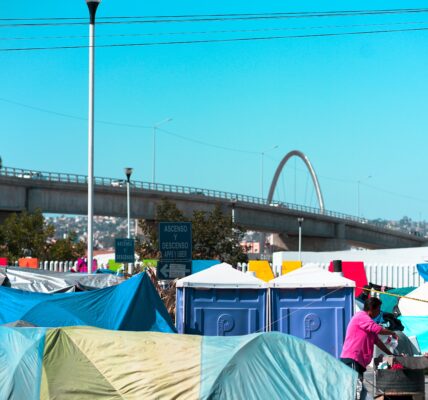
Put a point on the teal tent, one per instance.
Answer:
(133, 305)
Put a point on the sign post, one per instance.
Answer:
(124, 251)
(175, 246)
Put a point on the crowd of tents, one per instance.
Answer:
(74, 336)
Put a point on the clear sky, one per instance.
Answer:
(356, 105)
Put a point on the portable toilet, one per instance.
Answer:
(221, 301)
(313, 304)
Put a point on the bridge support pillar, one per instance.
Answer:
(315, 243)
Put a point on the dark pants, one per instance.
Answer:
(354, 365)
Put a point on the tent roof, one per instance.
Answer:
(222, 276)
(133, 305)
(84, 362)
(310, 276)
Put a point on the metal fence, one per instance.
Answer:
(195, 191)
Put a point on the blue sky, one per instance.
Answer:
(355, 104)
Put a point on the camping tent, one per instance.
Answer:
(410, 307)
(414, 315)
(132, 305)
(88, 363)
(41, 281)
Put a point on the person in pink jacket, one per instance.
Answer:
(361, 336)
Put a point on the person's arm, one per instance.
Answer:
(382, 346)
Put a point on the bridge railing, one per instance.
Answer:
(204, 193)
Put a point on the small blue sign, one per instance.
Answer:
(175, 241)
(124, 251)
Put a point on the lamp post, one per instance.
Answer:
(128, 173)
(358, 193)
(300, 220)
(92, 6)
(233, 201)
(262, 171)
(155, 127)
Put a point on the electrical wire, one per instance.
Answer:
(206, 41)
(197, 141)
(213, 32)
(136, 126)
(382, 11)
(219, 18)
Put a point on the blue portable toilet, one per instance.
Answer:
(314, 305)
(221, 301)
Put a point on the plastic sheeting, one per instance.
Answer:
(417, 326)
(389, 302)
(88, 363)
(415, 303)
(132, 305)
(423, 271)
(53, 282)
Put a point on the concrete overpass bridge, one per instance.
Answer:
(63, 193)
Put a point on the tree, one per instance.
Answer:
(166, 211)
(25, 234)
(69, 248)
(28, 234)
(214, 235)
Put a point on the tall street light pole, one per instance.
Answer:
(262, 169)
(92, 6)
(128, 173)
(155, 127)
(300, 220)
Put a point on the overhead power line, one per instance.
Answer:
(127, 125)
(298, 13)
(214, 18)
(149, 34)
(246, 39)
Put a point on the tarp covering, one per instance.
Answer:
(389, 302)
(355, 271)
(52, 282)
(82, 363)
(423, 271)
(132, 305)
(415, 303)
(417, 326)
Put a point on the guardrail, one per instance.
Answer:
(160, 187)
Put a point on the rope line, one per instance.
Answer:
(392, 294)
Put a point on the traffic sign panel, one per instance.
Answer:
(173, 269)
(175, 241)
(124, 250)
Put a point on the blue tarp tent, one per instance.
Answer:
(417, 326)
(423, 271)
(201, 265)
(133, 305)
